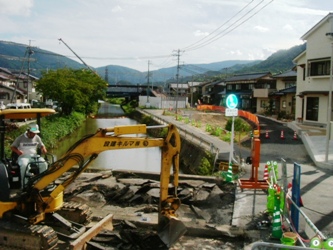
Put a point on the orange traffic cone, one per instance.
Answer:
(295, 136)
(266, 172)
(282, 135)
(267, 135)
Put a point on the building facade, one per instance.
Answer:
(252, 90)
(284, 99)
(16, 87)
(314, 73)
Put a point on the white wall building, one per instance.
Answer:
(313, 73)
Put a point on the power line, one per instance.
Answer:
(229, 28)
(218, 27)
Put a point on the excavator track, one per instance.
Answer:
(76, 212)
(24, 236)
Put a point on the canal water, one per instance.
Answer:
(148, 160)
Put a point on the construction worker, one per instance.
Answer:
(25, 146)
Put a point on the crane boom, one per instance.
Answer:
(78, 57)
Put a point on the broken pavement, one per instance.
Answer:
(132, 198)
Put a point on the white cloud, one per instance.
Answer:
(129, 32)
(288, 27)
(200, 33)
(236, 52)
(16, 7)
(116, 9)
(261, 28)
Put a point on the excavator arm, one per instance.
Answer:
(36, 204)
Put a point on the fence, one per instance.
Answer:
(290, 214)
(273, 246)
(164, 102)
(248, 115)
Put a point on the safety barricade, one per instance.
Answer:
(251, 117)
(290, 211)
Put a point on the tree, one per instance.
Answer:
(75, 90)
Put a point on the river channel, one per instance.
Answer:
(148, 160)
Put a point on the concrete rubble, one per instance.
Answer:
(132, 198)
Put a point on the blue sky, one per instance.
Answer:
(131, 32)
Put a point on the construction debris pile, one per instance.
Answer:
(206, 210)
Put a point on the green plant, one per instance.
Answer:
(239, 125)
(217, 131)
(269, 109)
(208, 128)
(147, 119)
(163, 132)
(226, 137)
(205, 167)
(206, 164)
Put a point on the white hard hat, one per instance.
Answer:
(34, 128)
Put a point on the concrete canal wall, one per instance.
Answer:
(192, 153)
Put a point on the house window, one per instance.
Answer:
(284, 104)
(3, 96)
(229, 87)
(250, 86)
(290, 84)
(263, 104)
(312, 106)
(238, 86)
(319, 68)
(245, 103)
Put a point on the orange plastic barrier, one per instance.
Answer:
(251, 117)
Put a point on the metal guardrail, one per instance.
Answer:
(274, 246)
(198, 140)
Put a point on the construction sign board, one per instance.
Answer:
(231, 112)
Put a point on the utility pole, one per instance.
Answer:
(192, 93)
(177, 78)
(106, 76)
(30, 52)
(148, 92)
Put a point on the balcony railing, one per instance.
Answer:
(262, 93)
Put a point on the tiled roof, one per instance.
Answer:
(7, 71)
(247, 77)
(289, 73)
(285, 91)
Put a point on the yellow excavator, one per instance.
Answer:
(36, 217)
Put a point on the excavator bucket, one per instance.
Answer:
(171, 231)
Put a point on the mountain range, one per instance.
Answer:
(23, 58)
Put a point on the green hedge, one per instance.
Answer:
(53, 128)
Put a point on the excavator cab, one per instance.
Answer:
(10, 173)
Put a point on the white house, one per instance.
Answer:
(313, 73)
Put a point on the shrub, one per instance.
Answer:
(239, 125)
(206, 164)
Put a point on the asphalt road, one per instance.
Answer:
(274, 147)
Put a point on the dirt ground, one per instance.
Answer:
(213, 119)
(206, 209)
